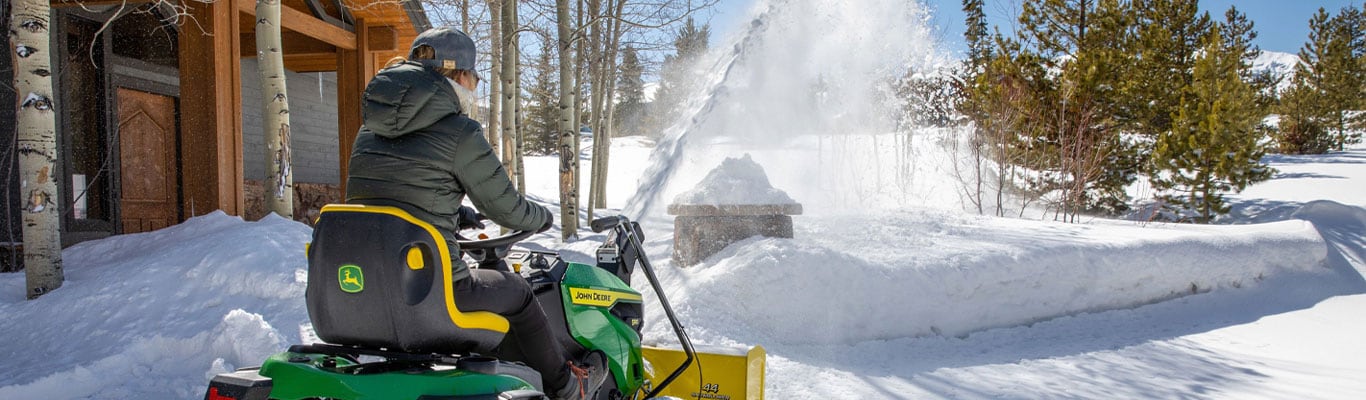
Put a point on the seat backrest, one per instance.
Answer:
(378, 277)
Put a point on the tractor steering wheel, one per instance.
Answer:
(494, 242)
(489, 253)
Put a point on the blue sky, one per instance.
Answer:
(1282, 25)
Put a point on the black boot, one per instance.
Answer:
(585, 377)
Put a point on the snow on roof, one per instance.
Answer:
(735, 181)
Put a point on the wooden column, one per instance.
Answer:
(354, 70)
(211, 109)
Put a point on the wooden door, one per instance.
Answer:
(147, 159)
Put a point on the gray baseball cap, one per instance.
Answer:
(454, 49)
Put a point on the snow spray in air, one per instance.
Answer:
(807, 89)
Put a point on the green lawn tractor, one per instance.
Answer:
(380, 297)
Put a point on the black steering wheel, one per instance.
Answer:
(489, 253)
(494, 242)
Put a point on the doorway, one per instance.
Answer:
(121, 125)
(147, 161)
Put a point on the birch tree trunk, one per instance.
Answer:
(464, 16)
(37, 146)
(595, 62)
(270, 62)
(519, 175)
(491, 126)
(509, 85)
(578, 57)
(569, 134)
(603, 141)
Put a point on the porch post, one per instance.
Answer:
(354, 70)
(211, 109)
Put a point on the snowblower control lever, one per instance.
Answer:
(605, 223)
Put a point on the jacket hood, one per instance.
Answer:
(407, 98)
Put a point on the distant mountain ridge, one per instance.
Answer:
(1279, 64)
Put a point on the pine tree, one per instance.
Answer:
(543, 114)
(1301, 130)
(1327, 87)
(978, 41)
(1359, 52)
(1343, 76)
(1167, 37)
(1213, 146)
(631, 85)
(1086, 161)
(677, 78)
(1238, 32)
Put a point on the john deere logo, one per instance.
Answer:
(351, 279)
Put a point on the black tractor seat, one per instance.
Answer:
(380, 278)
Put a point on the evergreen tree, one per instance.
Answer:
(1168, 34)
(631, 86)
(972, 90)
(1213, 147)
(677, 78)
(1343, 75)
(1328, 85)
(543, 114)
(1086, 161)
(1300, 130)
(1238, 34)
(979, 43)
(1359, 52)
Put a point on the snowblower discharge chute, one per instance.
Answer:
(379, 295)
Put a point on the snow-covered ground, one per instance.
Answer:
(888, 289)
(907, 303)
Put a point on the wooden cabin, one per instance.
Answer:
(150, 103)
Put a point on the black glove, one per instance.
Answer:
(467, 218)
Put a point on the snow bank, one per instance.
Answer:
(850, 279)
(150, 315)
(161, 365)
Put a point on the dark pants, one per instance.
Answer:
(508, 294)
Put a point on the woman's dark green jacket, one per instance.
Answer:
(418, 151)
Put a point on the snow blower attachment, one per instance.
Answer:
(380, 294)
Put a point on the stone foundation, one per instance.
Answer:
(309, 199)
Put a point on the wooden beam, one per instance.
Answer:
(211, 109)
(312, 62)
(293, 43)
(91, 3)
(382, 38)
(301, 22)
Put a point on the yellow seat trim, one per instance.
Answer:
(415, 262)
(467, 320)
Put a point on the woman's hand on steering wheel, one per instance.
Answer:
(467, 218)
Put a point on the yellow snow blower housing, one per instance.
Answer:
(718, 372)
